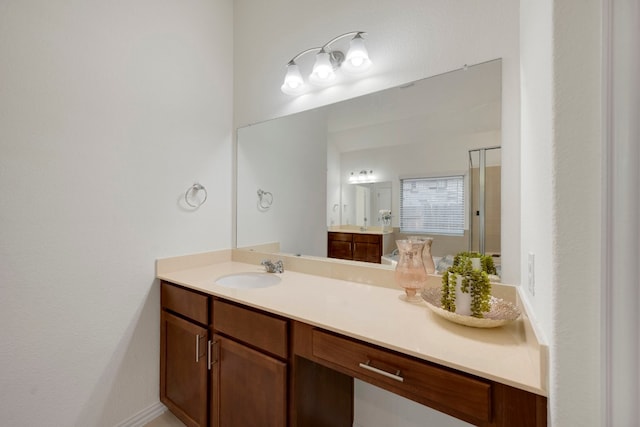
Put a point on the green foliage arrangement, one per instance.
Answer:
(474, 282)
(448, 297)
(486, 261)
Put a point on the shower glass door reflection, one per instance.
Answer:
(484, 212)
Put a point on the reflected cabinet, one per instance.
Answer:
(357, 246)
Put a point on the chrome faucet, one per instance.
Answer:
(273, 267)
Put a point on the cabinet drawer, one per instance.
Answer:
(457, 394)
(345, 237)
(185, 302)
(367, 238)
(251, 327)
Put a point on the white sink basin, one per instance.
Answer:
(248, 280)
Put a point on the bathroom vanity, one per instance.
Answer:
(286, 355)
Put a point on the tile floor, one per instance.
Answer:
(165, 420)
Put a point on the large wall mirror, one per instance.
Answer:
(341, 164)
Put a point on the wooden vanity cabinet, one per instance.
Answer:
(248, 387)
(221, 364)
(224, 364)
(356, 246)
(183, 353)
(249, 367)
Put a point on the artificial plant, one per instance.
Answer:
(474, 282)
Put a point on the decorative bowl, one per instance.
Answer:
(501, 312)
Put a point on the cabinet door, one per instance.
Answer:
(340, 245)
(183, 369)
(248, 388)
(367, 248)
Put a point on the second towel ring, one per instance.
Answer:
(193, 190)
(265, 199)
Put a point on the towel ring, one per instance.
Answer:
(194, 189)
(265, 199)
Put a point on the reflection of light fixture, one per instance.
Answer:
(364, 176)
(327, 62)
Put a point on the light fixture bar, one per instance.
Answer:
(313, 49)
(335, 39)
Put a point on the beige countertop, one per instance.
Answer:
(375, 314)
(360, 230)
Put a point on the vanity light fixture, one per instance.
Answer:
(327, 62)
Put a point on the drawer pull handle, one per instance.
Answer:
(199, 354)
(395, 376)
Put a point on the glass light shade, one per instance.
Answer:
(322, 73)
(357, 60)
(293, 82)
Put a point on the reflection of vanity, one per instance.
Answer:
(352, 243)
(308, 159)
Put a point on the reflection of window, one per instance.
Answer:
(432, 205)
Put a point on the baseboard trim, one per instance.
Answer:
(144, 416)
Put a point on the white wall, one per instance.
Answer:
(576, 340)
(408, 40)
(537, 209)
(561, 189)
(621, 294)
(109, 111)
